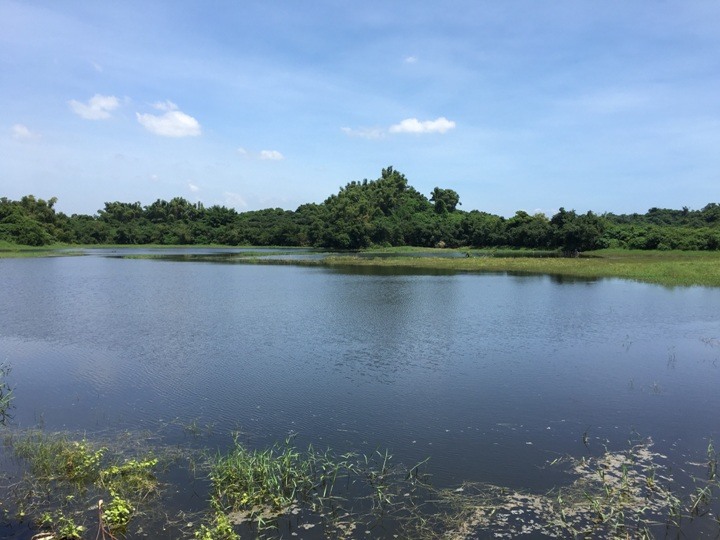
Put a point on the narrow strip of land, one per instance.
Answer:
(674, 268)
(668, 268)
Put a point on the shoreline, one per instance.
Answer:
(666, 268)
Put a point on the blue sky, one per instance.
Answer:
(517, 105)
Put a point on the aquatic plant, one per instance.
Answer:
(342, 492)
(259, 479)
(64, 477)
(624, 494)
(221, 528)
(6, 394)
(75, 489)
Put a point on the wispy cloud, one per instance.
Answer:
(98, 107)
(174, 123)
(413, 125)
(364, 133)
(272, 155)
(411, 59)
(21, 131)
(234, 200)
(264, 155)
(192, 187)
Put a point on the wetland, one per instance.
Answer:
(373, 400)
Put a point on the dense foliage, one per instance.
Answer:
(383, 212)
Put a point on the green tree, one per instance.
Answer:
(446, 200)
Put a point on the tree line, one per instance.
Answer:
(382, 212)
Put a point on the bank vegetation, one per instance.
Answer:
(385, 212)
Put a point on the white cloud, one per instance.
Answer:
(411, 59)
(234, 200)
(166, 105)
(272, 155)
(98, 107)
(265, 155)
(174, 123)
(21, 131)
(192, 187)
(364, 133)
(409, 125)
(413, 125)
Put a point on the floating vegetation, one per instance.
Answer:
(75, 489)
(626, 494)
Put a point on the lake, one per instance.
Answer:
(490, 376)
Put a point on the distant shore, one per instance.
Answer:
(668, 268)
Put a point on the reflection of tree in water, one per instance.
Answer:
(387, 325)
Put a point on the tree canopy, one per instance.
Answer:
(386, 211)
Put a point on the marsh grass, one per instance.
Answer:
(665, 268)
(74, 488)
(339, 493)
(6, 394)
(64, 477)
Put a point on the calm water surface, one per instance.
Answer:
(488, 375)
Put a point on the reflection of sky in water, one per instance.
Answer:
(490, 375)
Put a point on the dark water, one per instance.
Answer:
(488, 375)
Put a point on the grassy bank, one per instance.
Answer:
(670, 268)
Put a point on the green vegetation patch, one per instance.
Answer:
(663, 268)
(70, 485)
(74, 489)
(6, 394)
(338, 493)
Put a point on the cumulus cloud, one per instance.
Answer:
(21, 131)
(272, 155)
(413, 125)
(98, 107)
(409, 125)
(174, 123)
